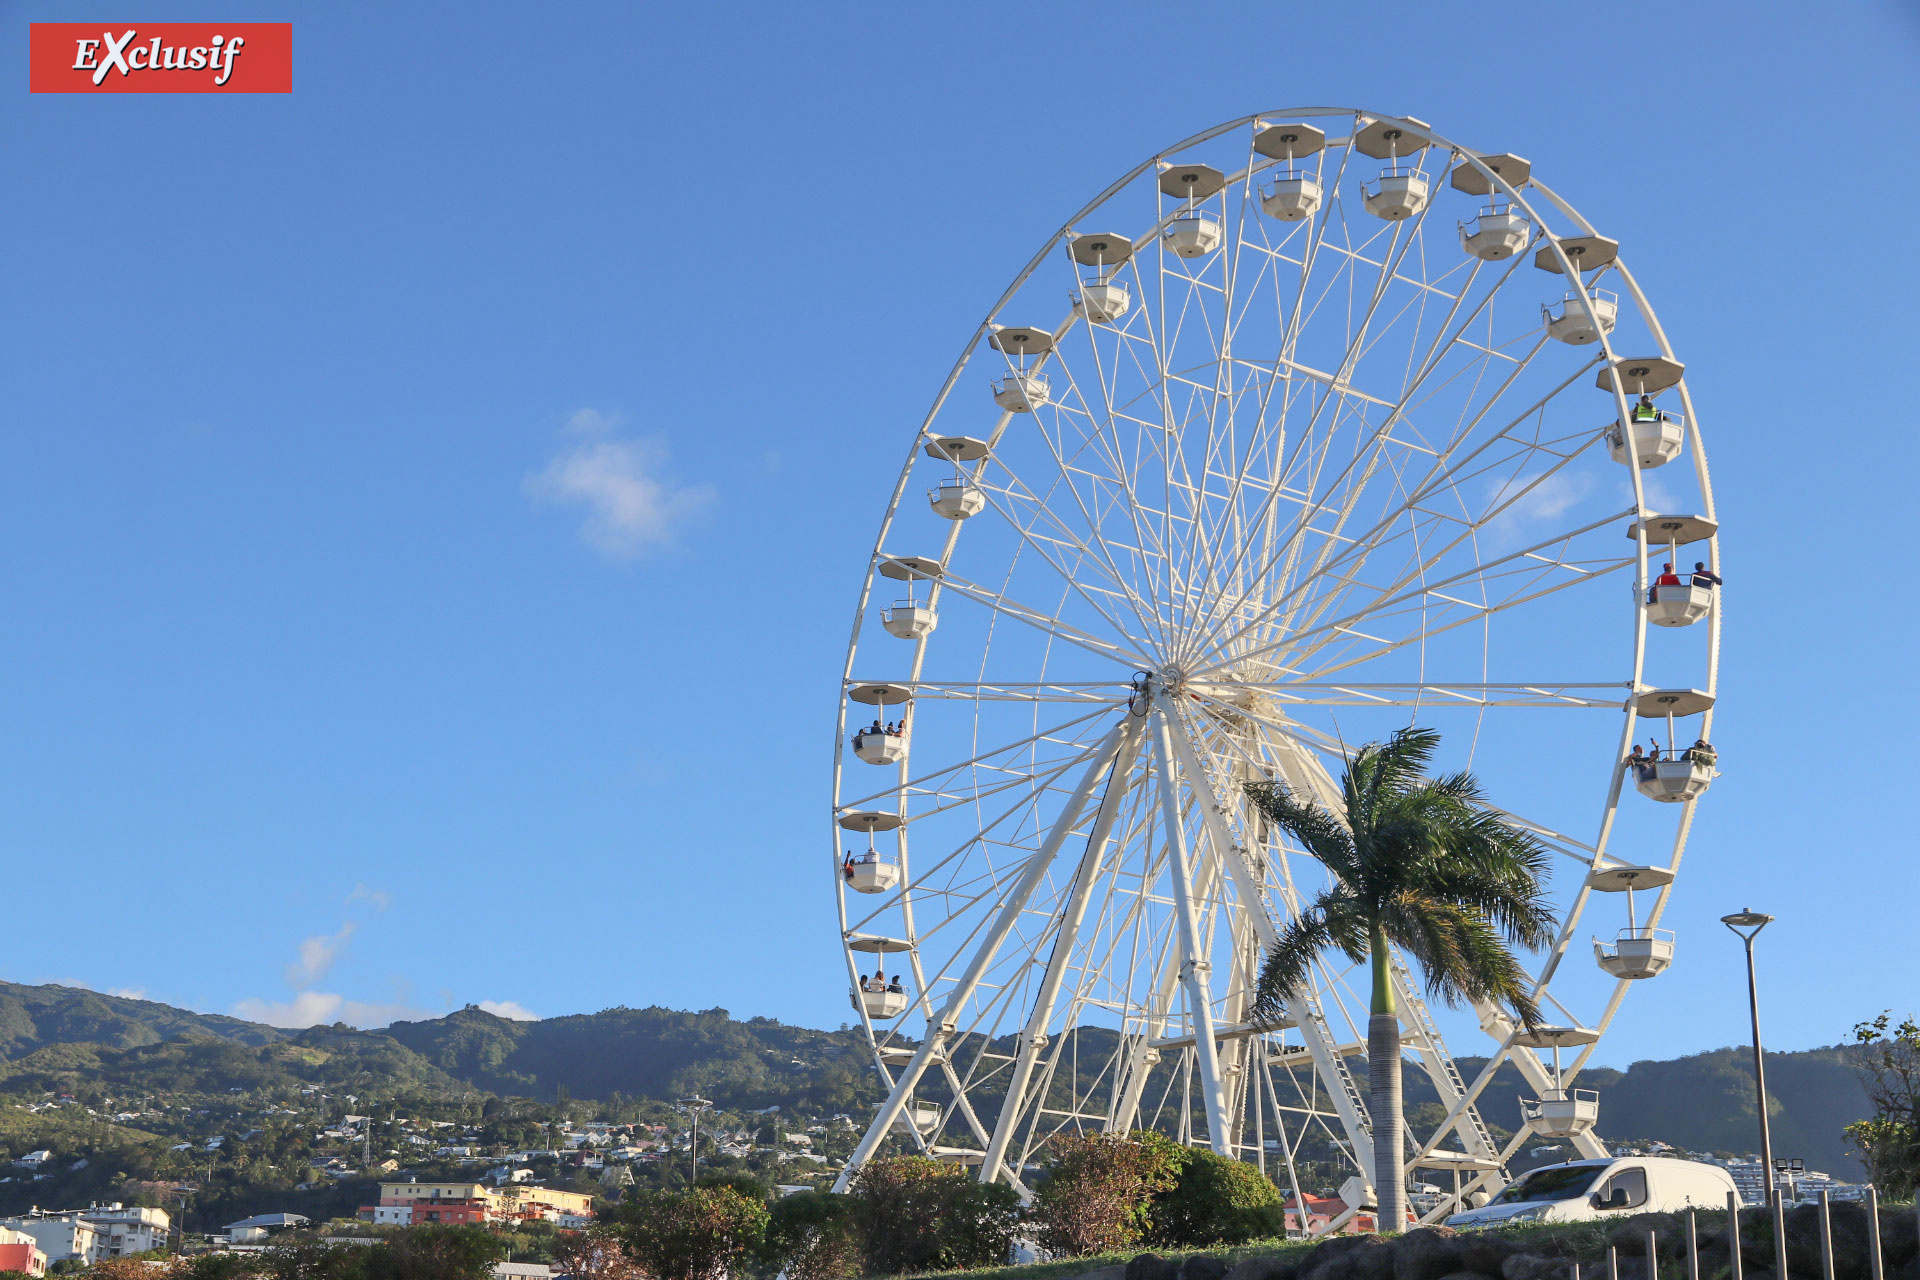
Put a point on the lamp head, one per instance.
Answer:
(1747, 923)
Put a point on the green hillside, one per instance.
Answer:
(140, 1100)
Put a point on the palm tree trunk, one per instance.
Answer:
(1384, 1104)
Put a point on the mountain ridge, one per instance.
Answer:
(53, 1037)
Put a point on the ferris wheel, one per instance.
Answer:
(1314, 425)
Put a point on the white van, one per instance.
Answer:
(1584, 1189)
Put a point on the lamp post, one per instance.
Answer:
(1747, 924)
(695, 1105)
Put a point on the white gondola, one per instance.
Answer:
(881, 1004)
(921, 1116)
(1681, 773)
(880, 748)
(1561, 1113)
(1102, 302)
(1639, 951)
(1193, 235)
(909, 619)
(1570, 321)
(957, 499)
(1680, 606)
(874, 743)
(1636, 953)
(1674, 781)
(1397, 193)
(1292, 196)
(872, 874)
(869, 872)
(1499, 231)
(1657, 439)
(1558, 1112)
(1021, 392)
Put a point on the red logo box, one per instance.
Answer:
(161, 57)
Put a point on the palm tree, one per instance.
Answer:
(1423, 865)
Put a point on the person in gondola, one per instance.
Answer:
(1637, 760)
(1702, 752)
(1644, 410)
(894, 986)
(1703, 576)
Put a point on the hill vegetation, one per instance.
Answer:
(140, 1101)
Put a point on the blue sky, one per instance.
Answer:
(432, 502)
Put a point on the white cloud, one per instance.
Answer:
(632, 504)
(304, 1010)
(317, 955)
(310, 1008)
(128, 993)
(378, 899)
(509, 1009)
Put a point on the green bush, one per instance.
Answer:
(1214, 1201)
(699, 1234)
(813, 1235)
(916, 1214)
(1098, 1193)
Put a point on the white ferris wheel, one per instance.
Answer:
(1314, 425)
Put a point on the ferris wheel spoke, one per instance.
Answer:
(1045, 545)
(1096, 541)
(1429, 694)
(1532, 560)
(1448, 472)
(1342, 374)
(1039, 619)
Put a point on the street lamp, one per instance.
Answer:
(696, 1105)
(1747, 924)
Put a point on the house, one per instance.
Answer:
(262, 1225)
(21, 1252)
(34, 1159)
(59, 1235)
(522, 1271)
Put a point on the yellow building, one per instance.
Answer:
(522, 1201)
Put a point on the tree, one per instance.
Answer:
(699, 1234)
(1424, 865)
(812, 1235)
(1889, 1143)
(435, 1253)
(593, 1254)
(917, 1214)
(1099, 1190)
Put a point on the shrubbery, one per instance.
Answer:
(916, 1214)
(1099, 1191)
(1213, 1200)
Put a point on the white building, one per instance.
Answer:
(393, 1215)
(59, 1235)
(121, 1230)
